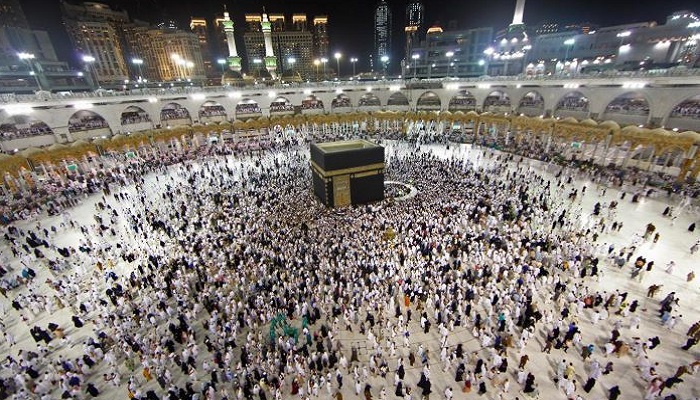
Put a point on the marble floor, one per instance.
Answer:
(675, 241)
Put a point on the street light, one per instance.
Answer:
(178, 63)
(622, 36)
(138, 62)
(385, 60)
(415, 57)
(28, 57)
(449, 56)
(353, 60)
(189, 66)
(337, 63)
(324, 60)
(221, 62)
(317, 62)
(89, 61)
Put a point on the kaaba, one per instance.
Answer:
(347, 172)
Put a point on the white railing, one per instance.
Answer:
(9, 98)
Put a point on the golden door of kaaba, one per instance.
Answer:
(341, 190)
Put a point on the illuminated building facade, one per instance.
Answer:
(382, 30)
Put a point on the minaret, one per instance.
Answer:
(270, 59)
(519, 11)
(234, 62)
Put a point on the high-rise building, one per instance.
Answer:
(622, 47)
(101, 41)
(465, 47)
(277, 22)
(15, 40)
(11, 14)
(185, 54)
(299, 22)
(140, 46)
(320, 36)
(507, 54)
(253, 22)
(382, 30)
(199, 27)
(28, 58)
(92, 11)
(108, 36)
(293, 46)
(414, 22)
(96, 31)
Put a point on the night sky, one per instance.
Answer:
(351, 21)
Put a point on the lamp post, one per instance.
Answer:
(89, 61)
(568, 43)
(449, 56)
(622, 36)
(385, 60)
(222, 63)
(138, 62)
(189, 66)
(317, 62)
(178, 64)
(337, 63)
(415, 58)
(28, 57)
(353, 60)
(324, 60)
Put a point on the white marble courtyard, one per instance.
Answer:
(673, 245)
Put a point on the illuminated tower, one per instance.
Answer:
(382, 30)
(234, 62)
(519, 11)
(414, 22)
(270, 59)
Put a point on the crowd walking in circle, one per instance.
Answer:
(223, 278)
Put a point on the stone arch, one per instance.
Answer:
(174, 114)
(311, 104)
(341, 101)
(497, 101)
(23, 126)
(428, 101)
(462, 101)
(88, 121)
(397, 99)
(685, 115)
(369, 100)
(531, 104)
(212, 111)
(248, 108)
(134, 115)
(572, 102)
(629, 107)
(281, 106)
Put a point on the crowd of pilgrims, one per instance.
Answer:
(227, 280)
